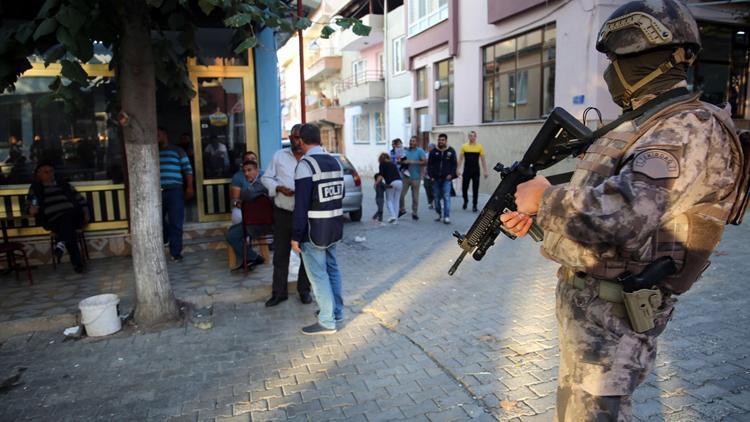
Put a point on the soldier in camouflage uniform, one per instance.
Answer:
(660, 185)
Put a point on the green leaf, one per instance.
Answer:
(85, 49)
(64, 36)
(206, 6)
(302, 23)
(73, 71)
(250, 42)
(24, 32)
(46, 8)
(71, 18)
(176, 20)
(54, 54)
(361, 29)
(47, 27)
(238, 20)
(344, 23)
(326, 32)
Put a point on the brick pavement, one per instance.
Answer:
(416, 345)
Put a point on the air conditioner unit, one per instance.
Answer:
(425, 123)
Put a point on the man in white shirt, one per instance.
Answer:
(279, 180)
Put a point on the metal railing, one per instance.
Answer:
(357, 79)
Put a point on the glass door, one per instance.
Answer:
(224, 128)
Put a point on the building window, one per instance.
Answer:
(79, 137)
(407, 115)
(519, 76)
(444, 97)
(381, 66)
(359, 71)
(422, 83)
(379, 128)
(721, 69)
(361, 125)
(398, 55)
(424, 14)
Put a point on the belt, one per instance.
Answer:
(606, 290)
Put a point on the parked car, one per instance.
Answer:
(352, 189)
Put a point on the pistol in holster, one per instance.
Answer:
(642, 295)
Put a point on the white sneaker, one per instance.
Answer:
(392, 220)
(447, 220)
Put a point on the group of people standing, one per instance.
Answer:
(404, 169)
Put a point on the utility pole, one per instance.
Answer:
(386, 72)
(303, 117)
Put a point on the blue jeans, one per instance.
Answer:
(234, 237)
(325, 279)
(173, 206)
(441, 189)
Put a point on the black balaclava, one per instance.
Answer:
(637, 66)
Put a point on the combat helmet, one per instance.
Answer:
(640, 26)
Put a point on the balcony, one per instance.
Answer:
(325, 111)
(322, 68)
(350, 41)
(361, 88)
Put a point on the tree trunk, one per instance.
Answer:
(155, 301)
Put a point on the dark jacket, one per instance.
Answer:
(441, 164)
(389, 171)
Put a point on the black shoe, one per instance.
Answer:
(238, 267)
(317, 330)
(177, 258)
(259, 260)
(439, 219)
(414, 217)
(275, 300)
(465, 204)
(305, 298)
(78, 268)
(474, 208)
(401, 212)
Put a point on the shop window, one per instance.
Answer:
(361, 124)
(80, 137)
(222, 120)
(519, 76)
(444, 94)
(722, 66)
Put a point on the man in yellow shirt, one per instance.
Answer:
(473, 153)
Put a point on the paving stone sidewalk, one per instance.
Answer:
(416, 344)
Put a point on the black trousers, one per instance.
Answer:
(474, 179)
(65, 227)
(282, 238)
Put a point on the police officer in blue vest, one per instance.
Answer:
(317, 227)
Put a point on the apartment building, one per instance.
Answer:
(500, 67)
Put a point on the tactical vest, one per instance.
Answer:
(689, 238)
(324, 219)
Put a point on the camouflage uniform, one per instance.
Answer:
(606, 215)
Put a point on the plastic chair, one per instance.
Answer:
(258, 214)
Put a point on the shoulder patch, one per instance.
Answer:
(657, 164)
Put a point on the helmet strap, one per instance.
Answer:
(677, 57)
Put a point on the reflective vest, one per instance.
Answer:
(689, 238)
(324, 218)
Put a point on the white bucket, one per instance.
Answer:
(99, 314)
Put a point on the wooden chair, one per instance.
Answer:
(258, 214)
(10, 250)
(80, 238)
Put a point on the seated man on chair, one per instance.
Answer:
(59, 208)
(248, 189)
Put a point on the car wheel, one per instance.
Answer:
(356, 215)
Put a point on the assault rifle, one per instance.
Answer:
(561, 136)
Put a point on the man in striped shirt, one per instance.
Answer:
(176, 175)
(60, 209)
